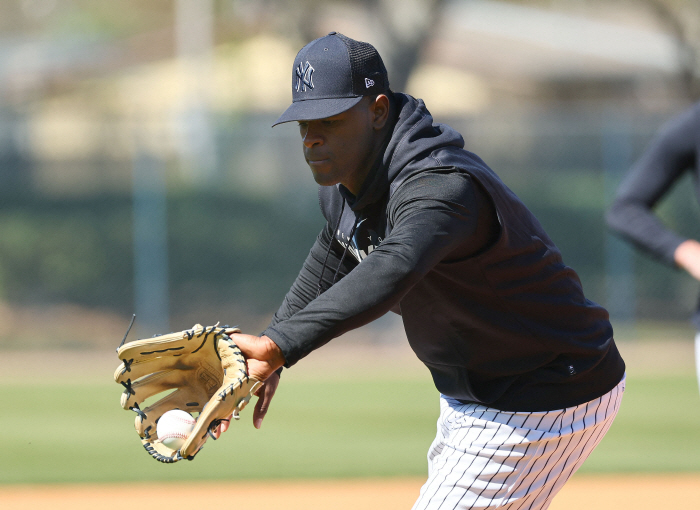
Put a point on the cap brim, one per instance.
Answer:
(314, 109)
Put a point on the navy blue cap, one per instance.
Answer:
(332, 74)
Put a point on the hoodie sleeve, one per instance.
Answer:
(305, 287)
(670, 153)
(432, 217)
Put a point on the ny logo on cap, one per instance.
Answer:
(304, 77)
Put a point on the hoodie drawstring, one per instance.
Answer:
(345, 251)
(328, 252)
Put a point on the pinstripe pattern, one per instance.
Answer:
(484, 458)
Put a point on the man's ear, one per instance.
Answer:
(380, 111)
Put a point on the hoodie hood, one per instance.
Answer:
(414, 137)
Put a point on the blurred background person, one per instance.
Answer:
(672, 152)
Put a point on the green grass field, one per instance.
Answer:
(338, 427)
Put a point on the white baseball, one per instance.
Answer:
(174, 428)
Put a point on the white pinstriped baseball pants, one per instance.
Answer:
(484, 458)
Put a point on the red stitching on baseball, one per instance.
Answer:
(173, 435)
(188, 421)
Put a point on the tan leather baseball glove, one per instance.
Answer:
(204, 367)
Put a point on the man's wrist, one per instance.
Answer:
(274, 356)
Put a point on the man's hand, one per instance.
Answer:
(687, 256)
(263, 355)
(263, 359)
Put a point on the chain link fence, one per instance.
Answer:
(119, 231)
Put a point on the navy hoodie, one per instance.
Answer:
(498, 319)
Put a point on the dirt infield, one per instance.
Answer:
(643, 492)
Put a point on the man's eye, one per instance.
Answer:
(328, 122)
(303, 124)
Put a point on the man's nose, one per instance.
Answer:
(312, 137)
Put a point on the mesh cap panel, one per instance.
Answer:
(366, 64)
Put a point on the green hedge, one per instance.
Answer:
(81, 250)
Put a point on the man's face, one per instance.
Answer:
(340, 149)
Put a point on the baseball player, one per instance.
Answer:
(527, 368)
(673, 151)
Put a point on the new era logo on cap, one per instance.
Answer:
(368, 83)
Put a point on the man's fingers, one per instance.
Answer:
(265, 394)
(222, 427)
(260, 411)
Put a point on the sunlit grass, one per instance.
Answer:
(315, 429)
